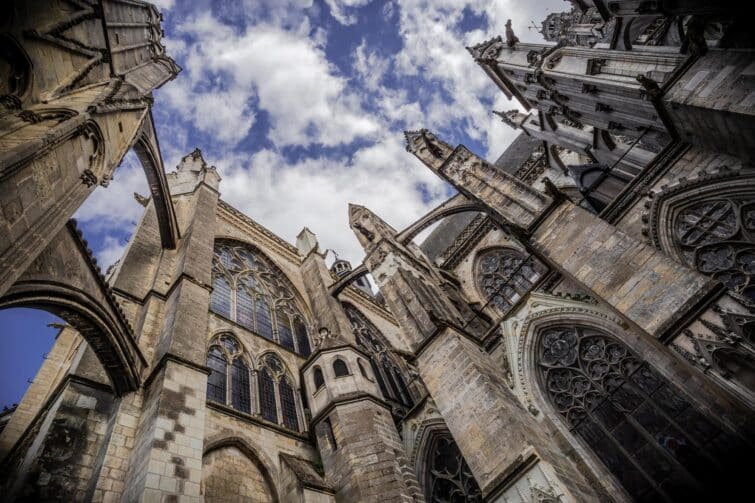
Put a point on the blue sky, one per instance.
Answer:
(301, 105)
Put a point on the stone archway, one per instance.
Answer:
(233, 472)
(65, 280)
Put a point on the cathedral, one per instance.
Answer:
(579, 325)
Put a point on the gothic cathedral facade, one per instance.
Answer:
(579, 327)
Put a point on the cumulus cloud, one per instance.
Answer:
(263, 69)
(111, 213)
(285, 73)
(316, 191)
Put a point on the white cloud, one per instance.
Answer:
(275, 68)
(113, 211)
(111, 251)
(343, 10)
(315, 192)
(285, 72)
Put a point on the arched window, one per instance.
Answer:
(288, 404)
(253, 292)
(505, 275)
(318, 378)
(362, 370)
(384, 367)
(223, 387)
(717, 237)
(640, 425)
(275, 385)
(216, 381)
(339, 368)
(268, 408)
(447, 476)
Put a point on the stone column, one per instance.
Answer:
(647, 288)
(498, 438)
(358, 441)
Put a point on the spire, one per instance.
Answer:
(369, 228)
(427, 148)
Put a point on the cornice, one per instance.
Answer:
(236, 217)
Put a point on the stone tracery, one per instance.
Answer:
(249, 289)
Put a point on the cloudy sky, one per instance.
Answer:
(301, 105)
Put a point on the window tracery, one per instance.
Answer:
(387, 372)
(448, 478)
(277, 392)
(250, 290)
(505, 275)
(224, 386)
(231, 382)
(640, 425)
(717, 237)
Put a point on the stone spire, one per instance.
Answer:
(369, 228)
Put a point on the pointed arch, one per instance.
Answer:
(633, 426)
(709, 224)
(441, 469)
(250, 289)
(252, 454)
(277, 391)
(504, 275)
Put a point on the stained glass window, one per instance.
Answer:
(288, 404)
(240, 394)
(448, 477)
(285, 334)
(221, 296)
(252, 291)
(224, 351)
(640, 425)
(264, 323)
(302, 340)
(383, 362)
(268, 408)
(339, 368)
(216, 381)
(505, 275)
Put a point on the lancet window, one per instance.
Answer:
(642, 427)
(448, 477)
(229, 381)
(277, 392)
(717, 237)
(387, 372)
(505, 275)
(250, 290)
